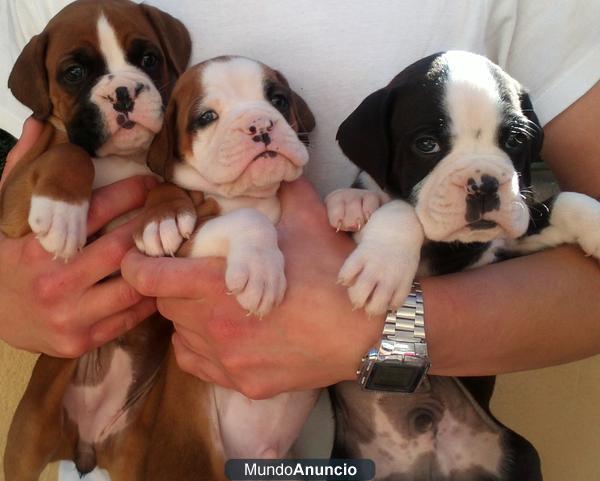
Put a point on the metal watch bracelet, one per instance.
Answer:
(403, 338)
(404, 329)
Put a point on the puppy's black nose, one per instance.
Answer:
(264, 138)
(124, 101)
(482, 197)
(260, 126)
(259, 129)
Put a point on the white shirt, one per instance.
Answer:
(335, 52)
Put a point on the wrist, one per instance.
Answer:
(399, 361)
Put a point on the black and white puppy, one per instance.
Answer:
(451, 140)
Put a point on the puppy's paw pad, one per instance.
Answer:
(61, 227)
(350, 209)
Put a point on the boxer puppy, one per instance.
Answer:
(232, 134)
(451, 140)
(98, 75)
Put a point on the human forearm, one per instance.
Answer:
(525, 313)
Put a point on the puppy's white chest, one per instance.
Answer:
(112, 169)
(270, 206)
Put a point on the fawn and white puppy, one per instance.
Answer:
(233, 133)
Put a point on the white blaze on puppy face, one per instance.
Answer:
(250, 148)
(475, 113)
(128, 100)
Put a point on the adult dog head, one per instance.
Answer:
(101, 71)
(455, 135)
(233, 128)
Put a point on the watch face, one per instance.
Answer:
(397, 377)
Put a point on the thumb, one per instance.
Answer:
(301, 207)
(32, 129)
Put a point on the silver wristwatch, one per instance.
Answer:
(399, 363)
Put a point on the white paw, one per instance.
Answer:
(350, 209)
(577, 217)
(61, 227)
(163, 237)
(589, 238)
(256, 276)
(379, 276)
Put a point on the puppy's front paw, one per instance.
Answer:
(162, 230)
(61, 227)
(378, 276)
(577, 216)
(350, 209)
(589, 236)
(256, 276)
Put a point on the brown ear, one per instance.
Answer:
(163, 150)
(303, 120)
(28, 79)
(304, 117)
(174, 39)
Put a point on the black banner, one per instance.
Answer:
(300, 469)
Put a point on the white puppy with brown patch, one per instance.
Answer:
(233, 133)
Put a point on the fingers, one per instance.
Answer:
(117, 324)
(179, 277)
(32, 129)
(116, 199)
(101, 258)
(107, 298)
(298, 191)
(197, 365)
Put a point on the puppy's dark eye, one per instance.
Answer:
(206, 118)
(280, 102)
(149, 61)
(515, 141)
(427, 145)
(74, 74)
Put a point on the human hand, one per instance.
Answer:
(61, 309)
(32, 129)
(312, 339)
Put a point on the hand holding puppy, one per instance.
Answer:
(216, 341)
(59, 308)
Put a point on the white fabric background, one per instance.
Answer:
(336, 52)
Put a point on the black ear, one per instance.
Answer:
(163, 151)
(537, 137)
(28, 79)
(364, 137)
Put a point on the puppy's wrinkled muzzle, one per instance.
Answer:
(472, 199)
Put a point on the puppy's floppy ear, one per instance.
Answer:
(28, 79)
(364, 137)
(163, 151)
(174, 39)
(537, 136)
(305, 119)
